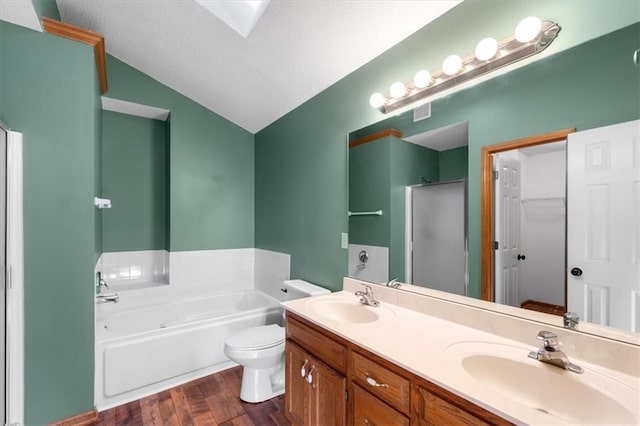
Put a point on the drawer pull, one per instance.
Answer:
(309, 378)
(372, 382)
(303, 370)
(366, 421)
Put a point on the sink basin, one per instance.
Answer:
(576, 398)
(343, 311)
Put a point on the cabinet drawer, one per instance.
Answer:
(436, 411)
(381, 382)
(328, 351)
(370, 411)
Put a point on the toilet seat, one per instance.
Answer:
(256, 338)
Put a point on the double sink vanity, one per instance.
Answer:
(407, 359)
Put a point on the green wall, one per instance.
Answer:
(211, 190)
(453, 164)
(301, 159)
(134, 178)
(369, 184)
(49, 93)
(379, 171)
(48, 8)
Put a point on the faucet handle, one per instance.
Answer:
(570, 320)
(549, 340)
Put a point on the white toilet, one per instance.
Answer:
(260, 350)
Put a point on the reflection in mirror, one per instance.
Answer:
(400, 176)
(553, 93)
(529, 227)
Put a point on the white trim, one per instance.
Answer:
(15, 282)
(132, 108)
(408, 235)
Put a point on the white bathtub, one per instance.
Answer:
(143, 346)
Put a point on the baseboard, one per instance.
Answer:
(547, 308)
(89, 418)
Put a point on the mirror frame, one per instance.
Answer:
(487, 251)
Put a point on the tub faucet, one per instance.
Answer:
(393, 283)
(102, 284)
(366, 297)
(105, 298)
(550, 353)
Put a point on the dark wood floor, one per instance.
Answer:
(212, 400)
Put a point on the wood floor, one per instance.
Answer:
(212, 400)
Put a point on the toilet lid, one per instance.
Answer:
(261, 337)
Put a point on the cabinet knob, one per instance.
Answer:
(309, 378)
(303, 370)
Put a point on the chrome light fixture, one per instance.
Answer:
(531, 37)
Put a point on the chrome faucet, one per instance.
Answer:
(570, 320)
(366, 296)
(102, 297)
(550, 353)
(393, 283)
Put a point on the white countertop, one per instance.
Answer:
(427, 346)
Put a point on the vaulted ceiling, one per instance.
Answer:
(296, 50)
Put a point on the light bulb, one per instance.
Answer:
(376, 100)
(486, 49)
(422, 79)
(452, 65)
(397, 90)
(528, 29)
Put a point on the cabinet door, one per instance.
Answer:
(370, 411)
(433, 410)
(297, 389)
(328, 396)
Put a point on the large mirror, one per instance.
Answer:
(395, 162)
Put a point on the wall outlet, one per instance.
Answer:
(344, 240)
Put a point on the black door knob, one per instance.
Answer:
(576, 272)
(521, 257)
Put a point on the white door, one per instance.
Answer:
(507, 230)
(3, 296)
(439, 259)
(603, 232)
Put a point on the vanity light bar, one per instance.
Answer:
(507, 52)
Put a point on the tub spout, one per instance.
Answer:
(105, 298)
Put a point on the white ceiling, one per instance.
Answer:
(20, 12)
(443, 138)
(297, 49)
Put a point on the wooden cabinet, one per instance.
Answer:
(380, 381)
(371, 411)
(315, 393)
(431, 410)
(322, 367)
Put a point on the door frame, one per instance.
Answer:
(487, 201)
(14, 408)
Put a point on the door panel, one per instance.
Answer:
(328, 405)
(507, 231)
(603, 233)
(296, 389)
(438, 237)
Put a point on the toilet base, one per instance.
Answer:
(259, 385)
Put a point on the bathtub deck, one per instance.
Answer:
(212, 400)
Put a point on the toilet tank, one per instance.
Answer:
(297, 289)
